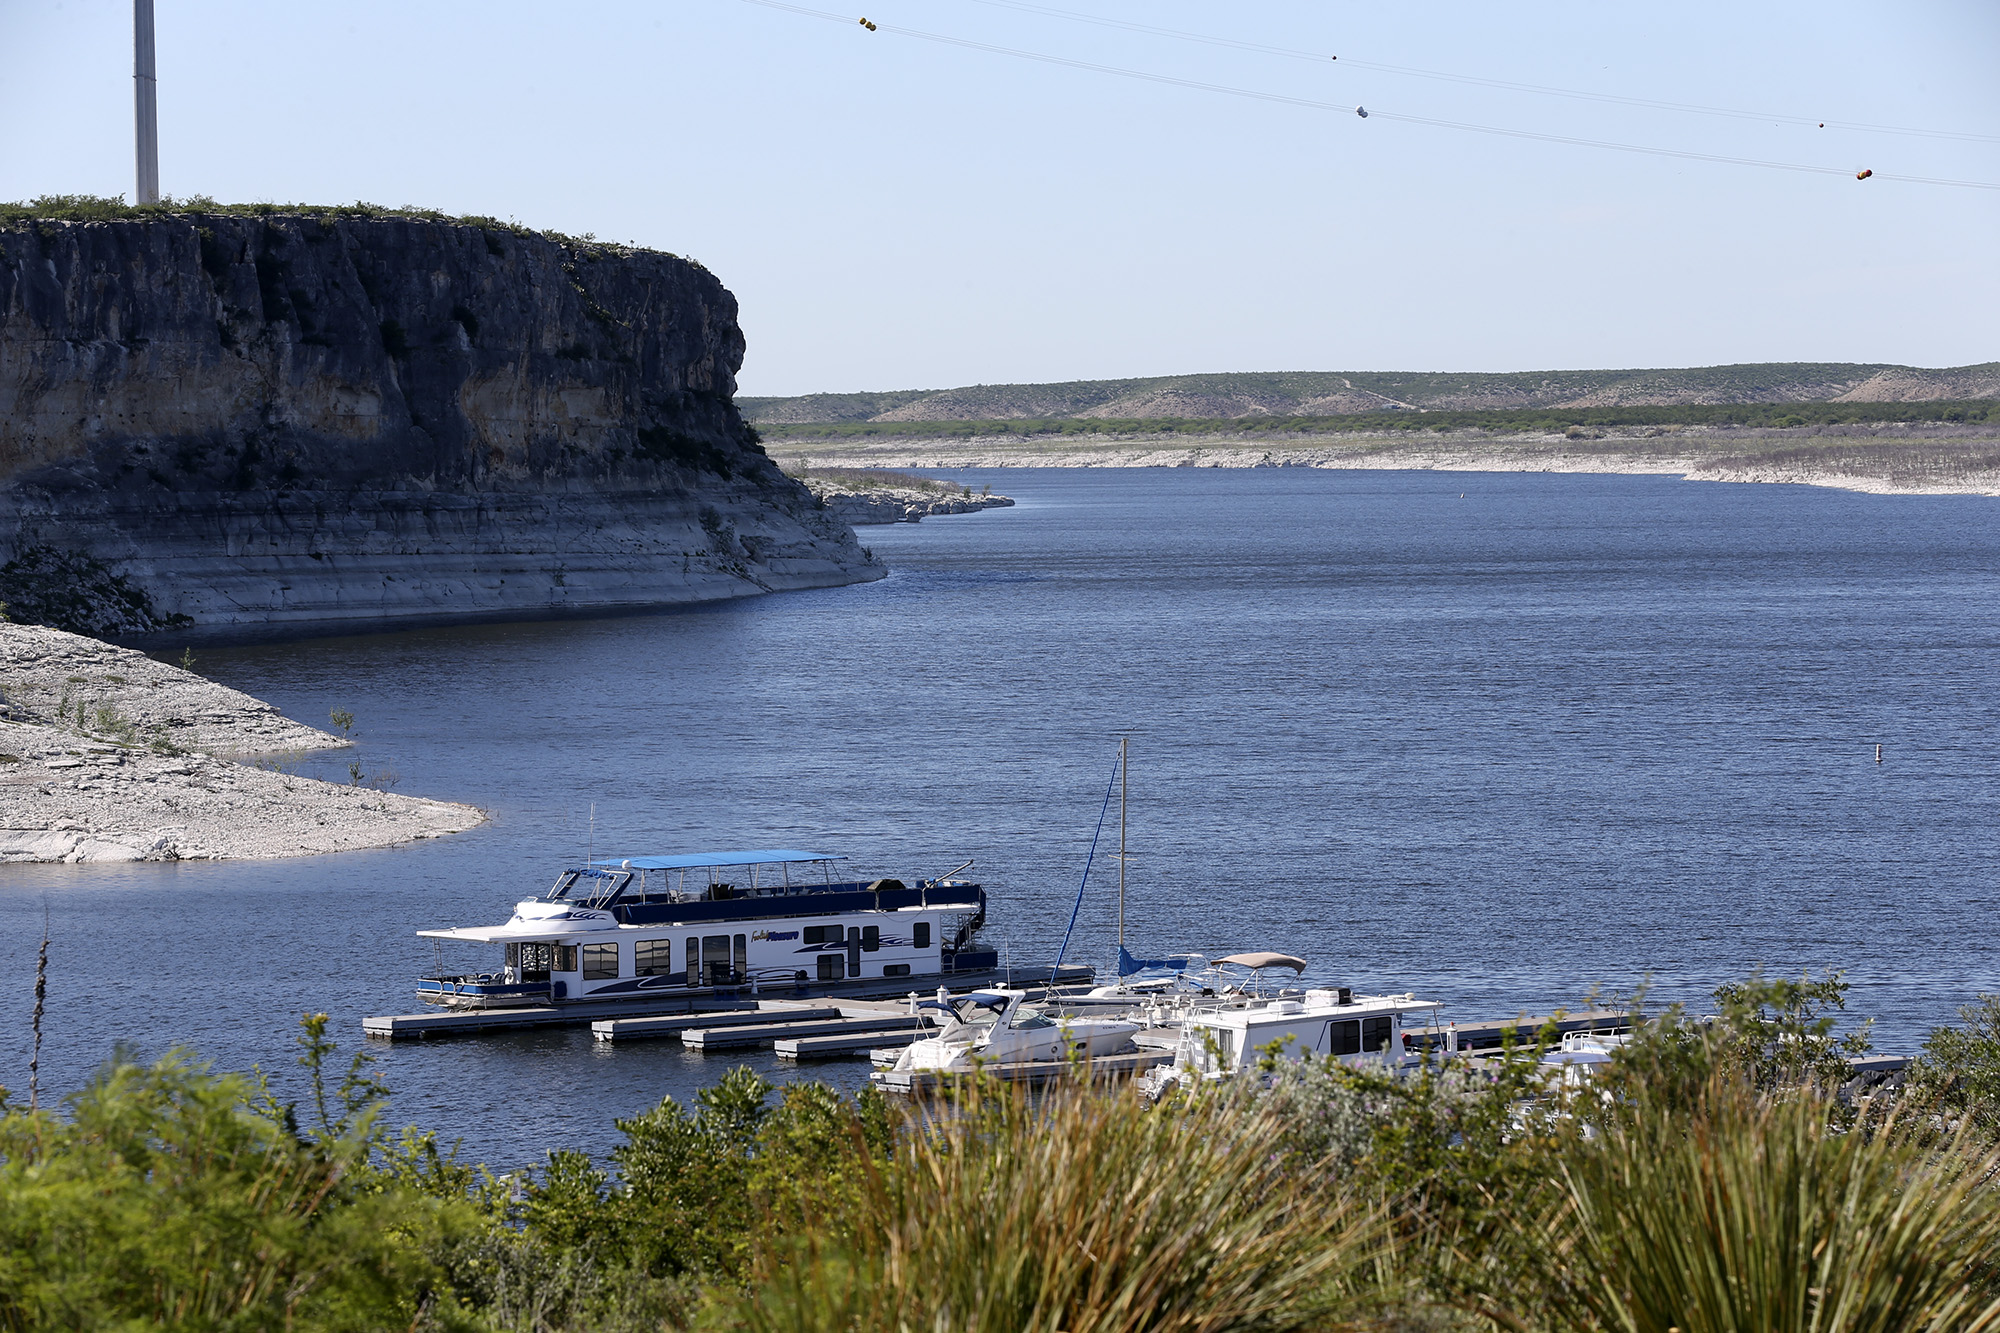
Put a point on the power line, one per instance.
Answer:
(1312, 104)
(1320, 57)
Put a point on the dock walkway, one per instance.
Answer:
(874, 992)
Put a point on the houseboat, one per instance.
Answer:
(624, 929)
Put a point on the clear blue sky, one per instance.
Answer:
(899, 213)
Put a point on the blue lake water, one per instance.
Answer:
(1499, 739)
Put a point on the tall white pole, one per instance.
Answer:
(145, 93)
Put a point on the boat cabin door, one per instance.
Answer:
(529, 961)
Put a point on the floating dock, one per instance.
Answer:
(764, 1034)
(679, 1025)
(874, 991)
(476, 1022)
(864, 1043)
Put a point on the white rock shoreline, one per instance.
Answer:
(1865, 462)
(861, 506)
(107, 755)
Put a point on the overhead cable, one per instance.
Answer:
(1313, 104)
(1321, 57)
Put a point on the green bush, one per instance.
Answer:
(1753, 1211)
(174, 1198)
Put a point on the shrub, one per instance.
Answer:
(1751, 1211)
(178, 1199)
(1076, 1211)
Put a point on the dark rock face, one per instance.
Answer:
(289, 420)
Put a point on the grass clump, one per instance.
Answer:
(1749, 1211)
(1075, 1211)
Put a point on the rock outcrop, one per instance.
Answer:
(861, 504)
(108, 755)
(316, 418)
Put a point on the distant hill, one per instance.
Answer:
(1334, 393)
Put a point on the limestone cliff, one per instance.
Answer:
(298, 419)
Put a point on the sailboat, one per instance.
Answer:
(1166, 989)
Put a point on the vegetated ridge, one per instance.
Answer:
(1323, 395)
(217, 417)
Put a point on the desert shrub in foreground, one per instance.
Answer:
(1956, 1081)
(1756, 1211)
(1081, 1211)
(173, 1198)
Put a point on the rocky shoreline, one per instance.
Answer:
(1896, 460)
(862, 505)
(108, 755)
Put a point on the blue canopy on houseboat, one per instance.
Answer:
(696, 860)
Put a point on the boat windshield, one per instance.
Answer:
(982, 1011)
(589, 888)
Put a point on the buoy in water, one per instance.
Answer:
(1878, 754)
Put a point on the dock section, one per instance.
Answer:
(891, 1042)
(680, 1025)
(876, 994)
(764, 1034)
(477, 1022)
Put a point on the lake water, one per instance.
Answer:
(1499, 739)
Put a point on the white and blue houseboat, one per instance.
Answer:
(773, 920)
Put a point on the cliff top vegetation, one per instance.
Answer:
(113, 208)
(1502, 421)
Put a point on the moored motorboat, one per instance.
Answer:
(996, 1027)
(1328, 1023)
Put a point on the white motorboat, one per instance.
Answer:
(996, 1027)
(1329, 1023)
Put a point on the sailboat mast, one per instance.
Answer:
(1124, 747)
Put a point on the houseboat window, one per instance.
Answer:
(896, 970)
(715, 960)
(600, 961)
(1375, 1033)
(871, 938)
(854, 951)
(920, 935)
(833, 934)
(565, 958)
(742, 956)
(832, 967)
(1344, 1038)
(694, 961)
(653, 958)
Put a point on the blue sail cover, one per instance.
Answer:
(696, 860)
(1127, 964)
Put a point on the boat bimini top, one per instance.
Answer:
(697, 860)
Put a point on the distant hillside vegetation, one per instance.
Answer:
(1339, 394)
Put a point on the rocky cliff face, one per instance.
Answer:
(220, 421)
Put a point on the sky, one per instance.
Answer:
(894, 211)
